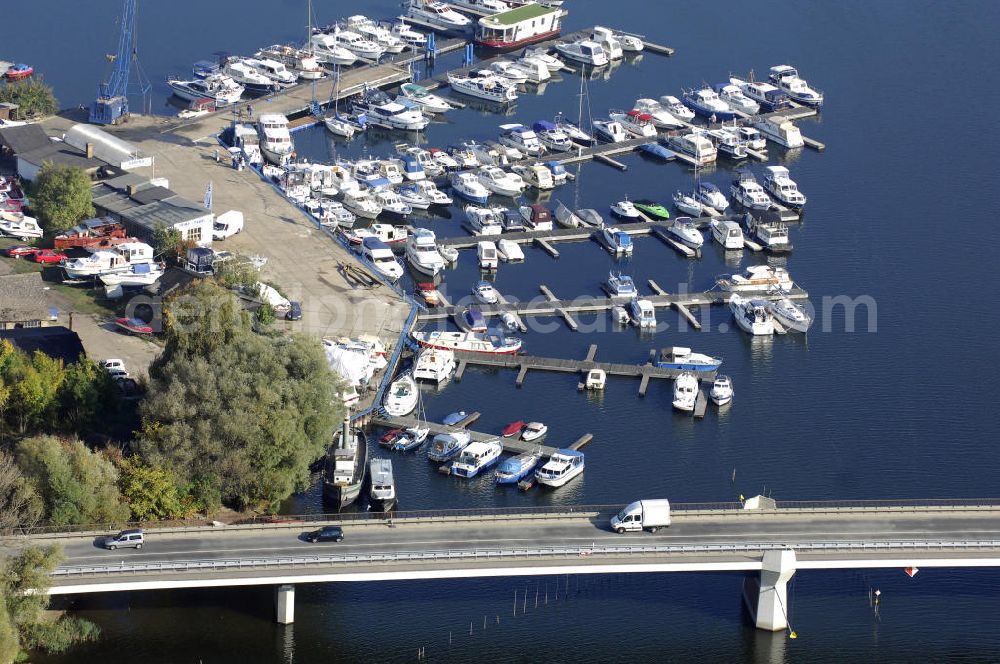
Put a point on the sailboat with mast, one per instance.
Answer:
(575, 130)
(345, 467)
(337, 124)
(414, 436)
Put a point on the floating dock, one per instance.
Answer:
(526, 363)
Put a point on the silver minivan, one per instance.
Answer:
(125, 539)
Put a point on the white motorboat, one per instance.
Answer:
(421, 96)
(334, 213)
(476, 457)
(536, 217)
(510, 251)
(492, 89)
(543, 56)
(630, 43)
(753, 139)
(405, 32)
(617, 241)
(363, 48)
(275, 139)
(303, 63)
(619, 286)
(685, 232)
(380, 255)
(339, 126)
(552, 137)
(608, 41)
(447, 446)
(769, 97)
(391, 202)
(746, 191)
(752, 315)
(676, 108)
(662, 118)
(573, 130)
(372, 31)
(501, 182)
(636, 123)
(485, 220)
(688, 204)
(695, 145)
(328, 50)
(727, 233)
(274, 70)
(560, 468)
(642, 313)
(734, 97)
(685, 392)
(585, 52)
(773, 236)
(134, 274)
(778, 183)
(707, 103)
(245, 74)
(722, 391)
(19, 225)
(708, 194)
(448, 253)
(429, 190)
(469, 342)
(382, 489)
(391, 235)
(401, 397)
(625, 209)
(103, 261)
(728, 142)
(758, 278)
(396, 116)
(683, 359)
(486, 252)
(434, 364)
(533, 431)
(413, 198)
(787, 78)
(782, 132)
(790, 315)
(610, 131)
(421, 251)
(536, 175)
(221, 89)
(438, 14)
(510, 71)
(534, 69)
(361, 204)
(596, 379)
(522, 138)
(468, 186)
(485, 292)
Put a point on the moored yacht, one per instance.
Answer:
(382, 489)
(221, 89)
(722, 391)
(434, 364)
(746, 191)
(476, 457)
(361, 204)
(492, 89)
(685, 392)
(394, 115)
(401, 397)
(424, 98)
(625, 209)
(302, 63)
(688, 204)
(617, 241)
(485, 220)
(685, 232)
(758, 278)
(363, 48)
(391, 203)
(642, 313)
(275, 139)
(752, 315)
(514, 469)
(421, 251)
(662, 118)
(501, 182)
(439, 14)
(708, 194)
(787, 78)
(552, 137)
(782, 132)
(536, 175)
(328, 50)
(733, 95)
(636, 122)
(778, 183)
(246, 74)
(773, 236)
(380, 255)
(768, 96)
(706, 102)
(522, 138)
(620, 286)
(345, 467)
(469, 342)
(610, 131)
(679, 357)
(727, 233)
(676, 108)
(694, 145)
(584, 51)
(468, 186)
(447, 446)
(561, 467)
(790, 315)
(274, 70)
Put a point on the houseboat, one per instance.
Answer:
(515, 28)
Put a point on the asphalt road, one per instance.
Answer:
(410, 537)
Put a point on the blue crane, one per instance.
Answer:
(111, 104)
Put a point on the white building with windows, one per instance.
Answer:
(143, 206)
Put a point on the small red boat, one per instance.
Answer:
(390, 437)
(19, 71)
(513, 429)
(134, 325)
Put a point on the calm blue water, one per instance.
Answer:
(899, 210)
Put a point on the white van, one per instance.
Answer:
(642, 515)
(488, 258)
(226, 224)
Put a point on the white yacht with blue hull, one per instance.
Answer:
(476, 458)
(678, 357)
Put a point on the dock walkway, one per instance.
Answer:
(510, 445)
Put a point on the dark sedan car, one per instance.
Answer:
(294, 311)
(326, 534)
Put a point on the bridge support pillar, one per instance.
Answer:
(766, 596)
(284, 604)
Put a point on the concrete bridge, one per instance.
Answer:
(773, 543)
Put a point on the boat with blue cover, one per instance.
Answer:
(658, 150)
(454, 418)
(678, 357)
(515, 469)
(620, 285)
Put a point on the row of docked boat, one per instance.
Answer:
(687, 386)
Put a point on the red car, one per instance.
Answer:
(20, 251)
(49, 256)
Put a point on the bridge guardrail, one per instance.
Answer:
(754, 548)
(495, 514)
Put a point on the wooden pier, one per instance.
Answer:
(511, 445)
(526, 363)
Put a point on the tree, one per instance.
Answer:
(169, 243)
(265, 314)
(32, 96)
(76, 485)
(24, 582)
(20, 506)
(233, 411)
(85, 395)
(150, 492)
(62, 197)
